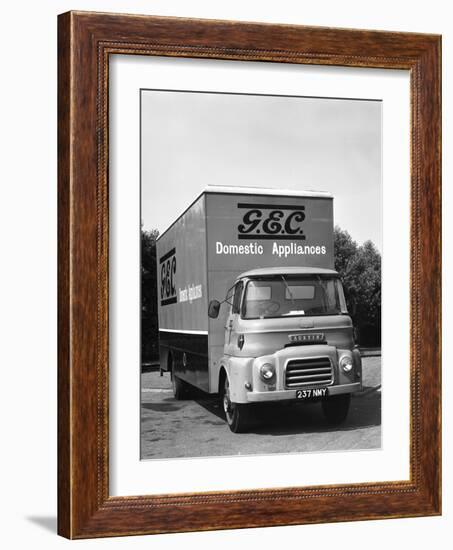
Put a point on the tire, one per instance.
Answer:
(180, 388)
(336, 408)
(237, 415)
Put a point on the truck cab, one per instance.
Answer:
(288, 337)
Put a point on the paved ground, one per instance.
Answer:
(172, 429)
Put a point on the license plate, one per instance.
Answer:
(311, 393)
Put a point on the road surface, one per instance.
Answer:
(194, 428)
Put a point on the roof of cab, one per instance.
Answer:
(260, 272)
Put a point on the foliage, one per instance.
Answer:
(149, 325)
(360, 270)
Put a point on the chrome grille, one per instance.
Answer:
(311, 371)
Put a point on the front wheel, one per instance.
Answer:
(336, 408)
(236, 414)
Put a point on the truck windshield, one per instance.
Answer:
(293, 295)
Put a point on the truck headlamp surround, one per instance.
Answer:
(267, 372)
(346, 364)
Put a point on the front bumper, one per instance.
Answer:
(246, 385)
(288, 395)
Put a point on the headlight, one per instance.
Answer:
(267, 372)
(346, 364)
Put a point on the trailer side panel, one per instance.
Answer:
(183, 297)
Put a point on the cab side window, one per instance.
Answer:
(237, 297)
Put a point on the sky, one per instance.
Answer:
(191, 140)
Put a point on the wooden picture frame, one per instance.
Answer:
(85, 42)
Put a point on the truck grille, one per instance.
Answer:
(312, 371)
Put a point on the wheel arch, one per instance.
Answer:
(222, 375)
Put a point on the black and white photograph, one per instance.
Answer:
(227, 275)
(261, 243)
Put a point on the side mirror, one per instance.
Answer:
(213, 309)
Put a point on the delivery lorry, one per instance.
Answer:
(250, 306)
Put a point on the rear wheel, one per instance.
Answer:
(237, 415)
(180, 388)
(336, 408)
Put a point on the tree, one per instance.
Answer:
(360, 270)
(149, 319)
(345, 248)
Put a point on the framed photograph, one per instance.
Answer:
(249, 275)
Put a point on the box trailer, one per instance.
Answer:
(250, 306)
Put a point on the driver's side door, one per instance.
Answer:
(232, 318)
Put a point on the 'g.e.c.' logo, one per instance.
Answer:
(168, 278)
(264, 221)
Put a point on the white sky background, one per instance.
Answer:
(191, 140)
